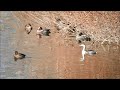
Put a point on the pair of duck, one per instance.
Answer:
(17, 55)
(28, 29)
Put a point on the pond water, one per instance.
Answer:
(61, 61)
(8, 68)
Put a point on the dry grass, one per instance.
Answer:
(101, 26)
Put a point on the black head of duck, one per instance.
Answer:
(18, 56)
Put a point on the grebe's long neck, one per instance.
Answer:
(83, 52)
(83, 48)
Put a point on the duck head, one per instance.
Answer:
(16, 52)
(40, 28)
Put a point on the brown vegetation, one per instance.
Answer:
(101, 26)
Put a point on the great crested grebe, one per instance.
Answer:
(89, 52)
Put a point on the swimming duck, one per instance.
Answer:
(46, 32)
(82, 37)
(18, 56)
(39, 31)
(28, 28)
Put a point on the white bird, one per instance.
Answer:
(89, 52)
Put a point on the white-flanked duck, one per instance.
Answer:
(39, 31)
(44, 32)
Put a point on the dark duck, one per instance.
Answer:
(80, 37)
(46, 32)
